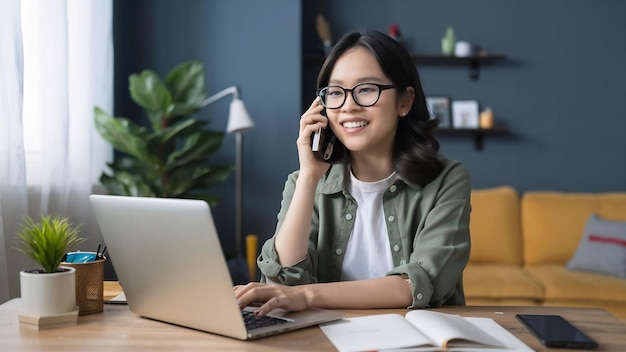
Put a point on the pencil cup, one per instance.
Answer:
(89, 286)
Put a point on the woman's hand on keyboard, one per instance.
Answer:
(272, 296)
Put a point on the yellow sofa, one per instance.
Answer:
(520, 245)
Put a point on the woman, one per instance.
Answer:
(387, 224)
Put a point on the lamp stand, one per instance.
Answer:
(238, 190)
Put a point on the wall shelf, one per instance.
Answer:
(474, 62)
(478, 133)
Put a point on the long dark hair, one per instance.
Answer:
(415, 148)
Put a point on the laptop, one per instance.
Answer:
(169, 261)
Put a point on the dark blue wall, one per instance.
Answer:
(561, 92)
(252, 44)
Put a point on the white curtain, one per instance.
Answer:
(12, 168)
(67, 70)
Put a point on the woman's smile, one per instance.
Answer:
(350, 125)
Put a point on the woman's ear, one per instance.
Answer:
(406, 101)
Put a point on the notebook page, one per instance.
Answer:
(375, 332)
(450, 330)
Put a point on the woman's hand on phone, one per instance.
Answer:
(310, 122)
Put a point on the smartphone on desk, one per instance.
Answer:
(556, 331)
(323, 142)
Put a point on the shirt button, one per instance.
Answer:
(338, 251)
(396, 248)
(348, 216)
(393, 188)
(420, 262)
(391, 218)
(419, 296)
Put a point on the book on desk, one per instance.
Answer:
(421, 330)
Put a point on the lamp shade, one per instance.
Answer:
(238, 119)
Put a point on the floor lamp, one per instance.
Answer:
(239, 121)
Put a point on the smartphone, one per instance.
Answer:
(555, 331)
(323, 142)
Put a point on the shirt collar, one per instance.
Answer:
(337, 178)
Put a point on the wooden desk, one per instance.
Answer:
(118, 329)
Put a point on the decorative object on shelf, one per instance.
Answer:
(439, 107)
(324, 33)
(170, 157)
(48, 295)
(486, 118)
(448, 42)
(462, 49)
(465, 114)
(480, 51)
(394, 32)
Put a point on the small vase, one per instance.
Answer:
(448, 42)
(47, 294)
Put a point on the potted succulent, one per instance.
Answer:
(49, 290)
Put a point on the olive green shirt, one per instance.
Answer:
(428, 231)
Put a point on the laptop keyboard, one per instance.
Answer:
(253, 322)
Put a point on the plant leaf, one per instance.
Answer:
(147, 90)
(46, 241)
(157, 120)
(181, 130)
(123, 134)
(186, 179)
(125, 183)
(186, 84)
(196, 147)
(214, 175)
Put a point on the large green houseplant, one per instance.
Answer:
(49, 290)
(169, 158)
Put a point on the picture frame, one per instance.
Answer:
(439, 107)
(465, 114)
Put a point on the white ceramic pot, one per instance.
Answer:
(463, 49)
(46, 294)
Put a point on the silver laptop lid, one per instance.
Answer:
(169, 261)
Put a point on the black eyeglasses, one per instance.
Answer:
(364, 94)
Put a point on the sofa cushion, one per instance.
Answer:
(602, 248)
(564, 285)
(500, 281)
(495, 226)
(553, 222)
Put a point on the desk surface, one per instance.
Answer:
(118, 329)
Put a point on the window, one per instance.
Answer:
(31, 116)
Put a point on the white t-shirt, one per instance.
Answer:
(368, 254)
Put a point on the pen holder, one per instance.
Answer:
(89, 286)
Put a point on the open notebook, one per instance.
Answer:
(421, 330)
(169, 261)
